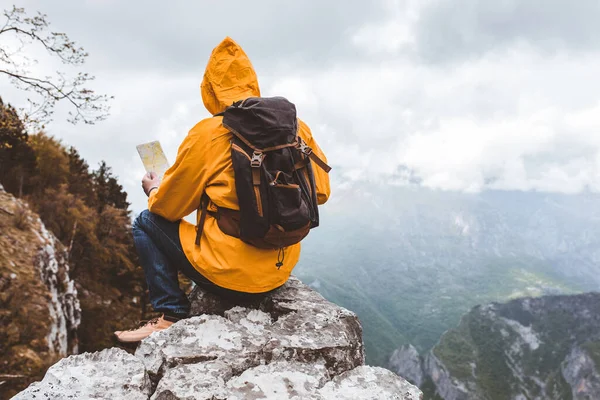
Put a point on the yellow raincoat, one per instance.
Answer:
(203, 164)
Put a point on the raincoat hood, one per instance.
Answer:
(229, 77)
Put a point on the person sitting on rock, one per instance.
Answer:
(215, 254)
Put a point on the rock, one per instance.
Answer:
(253, 320)
(197, 339)
(370, 383)
(203, 302)
(292, 344)
(446, 387)
(308, 328)
(530, 348)
(65, 310)
(109, 374)
(334, 336)
(39, 309)
(406, 362)
(278, 380)
(202, 381)
(581, 373)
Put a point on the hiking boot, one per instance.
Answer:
(137, 334)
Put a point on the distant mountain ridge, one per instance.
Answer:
(410, 261)
(532, 348)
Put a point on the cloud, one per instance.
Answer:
(448, 30)
(443, 31)
(177, 36)
(508, 120)
(467, 95)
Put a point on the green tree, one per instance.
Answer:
(80, 179)
(17, 158)
(52, 162)
(108, 190)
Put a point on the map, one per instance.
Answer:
(153, 157)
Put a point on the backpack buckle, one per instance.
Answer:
(257, 159)
(304, 148)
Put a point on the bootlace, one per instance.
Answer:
(152, 321)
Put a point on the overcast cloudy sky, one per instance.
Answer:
(456, 95)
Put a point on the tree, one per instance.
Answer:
(17, 158)
(108, 190)
(52, 162)
(80, 179)
(86, 105)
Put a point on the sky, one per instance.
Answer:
(463, 95)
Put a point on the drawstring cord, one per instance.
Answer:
(280, 257)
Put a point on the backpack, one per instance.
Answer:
(274, 180)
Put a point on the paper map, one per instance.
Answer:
(153, 157)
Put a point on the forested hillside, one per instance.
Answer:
(87, 210)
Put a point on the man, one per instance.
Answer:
(166, 243)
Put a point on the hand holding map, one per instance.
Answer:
(153, 157)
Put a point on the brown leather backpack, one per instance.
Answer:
(274, 179)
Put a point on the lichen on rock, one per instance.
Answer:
(108, 374)
(293, 344)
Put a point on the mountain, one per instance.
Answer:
(293, 344)
(40, 311)
(531, 348)
(410, 261)
(50, 304)
(65, 236)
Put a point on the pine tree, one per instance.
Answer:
(108, 190)
(17, 158)
(80, 179)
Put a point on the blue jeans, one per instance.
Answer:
(161, 255)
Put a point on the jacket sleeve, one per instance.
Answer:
(179, 192)
(321, 177)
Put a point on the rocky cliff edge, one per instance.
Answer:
(294, 344)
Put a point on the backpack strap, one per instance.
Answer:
(302, 163)
(203, 211)
(307, 151)
(255, 163)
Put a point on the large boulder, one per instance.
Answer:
(108, 374)
(293, 344)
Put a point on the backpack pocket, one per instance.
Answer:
(290, 210)
(253, 199)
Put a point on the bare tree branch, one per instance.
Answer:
(86, 105)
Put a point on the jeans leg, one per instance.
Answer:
(157, 241)
(161, 254)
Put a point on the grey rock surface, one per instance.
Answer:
(200, 381)
(292, 344)
(279, 380)
(369, 383)
(108, 374)
(407, 363)
(198, 339)
(543, 348)
(446, 387)
(580, 372)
